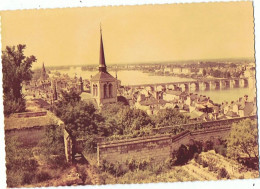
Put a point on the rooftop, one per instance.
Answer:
(104, 76)
(15, 122)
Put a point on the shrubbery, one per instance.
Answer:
(223, 173)
(20, 166)
(132, 165)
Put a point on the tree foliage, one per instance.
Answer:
(120, 119)
(80, 118)
(243, 139)
(16, 69)
(170, 117)
(52, 145)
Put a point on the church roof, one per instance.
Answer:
(104, 76)
(102, 62)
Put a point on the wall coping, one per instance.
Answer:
(133, 141)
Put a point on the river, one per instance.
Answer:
(132, 77)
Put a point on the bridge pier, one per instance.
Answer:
(244, 83)
(215, 85)
(235, 83)
(227, 84)
(206, 86)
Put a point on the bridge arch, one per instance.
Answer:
(205, 85)
(184, 87)
(215, 85)
(244, 82)
(173, 86)
(227, 84)
(194, 86)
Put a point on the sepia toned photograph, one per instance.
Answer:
(129, 94)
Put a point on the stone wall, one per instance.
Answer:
(203, 125)
(31, 114)
(67, 145)
(159, 148)
(156, 147)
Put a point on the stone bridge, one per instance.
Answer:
(203, 84)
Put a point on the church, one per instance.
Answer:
(103, 85)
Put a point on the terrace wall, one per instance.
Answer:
(30, 114)
(159, 148)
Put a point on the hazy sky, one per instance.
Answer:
(131, 34)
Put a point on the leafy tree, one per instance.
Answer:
(123, 120)
(67, 98)
(243, 139)
(16, 69)
(81, 119)
(170, 117)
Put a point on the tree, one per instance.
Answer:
(170, 117)
(122, 120)
(81, 119)
(52, 145)
(242, 140)
(16, 69)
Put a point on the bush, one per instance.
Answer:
(221, 149)
(182, 155)
(211, 167)
(196, 156)
(205, 164)
(223, 173)
(208, 146)
(28, 178)
(114, 169)
(42, 176)
(14, 178)
(157, 168)
(199, 160)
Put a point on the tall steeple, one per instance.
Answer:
(43, 68)
(102, 63)
(43, 73)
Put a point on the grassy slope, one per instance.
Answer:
(192, 171)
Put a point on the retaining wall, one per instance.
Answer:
(31, 114)
(159, 148)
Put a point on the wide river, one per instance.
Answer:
(137, 77)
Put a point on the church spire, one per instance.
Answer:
(43, 67)
(102, 63)
(43, 73)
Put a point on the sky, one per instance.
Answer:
(132, 34)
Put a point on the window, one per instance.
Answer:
(110, 88)
(95, 90)
(105, 91)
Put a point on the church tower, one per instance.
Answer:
(44, 75)
(103, 85)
